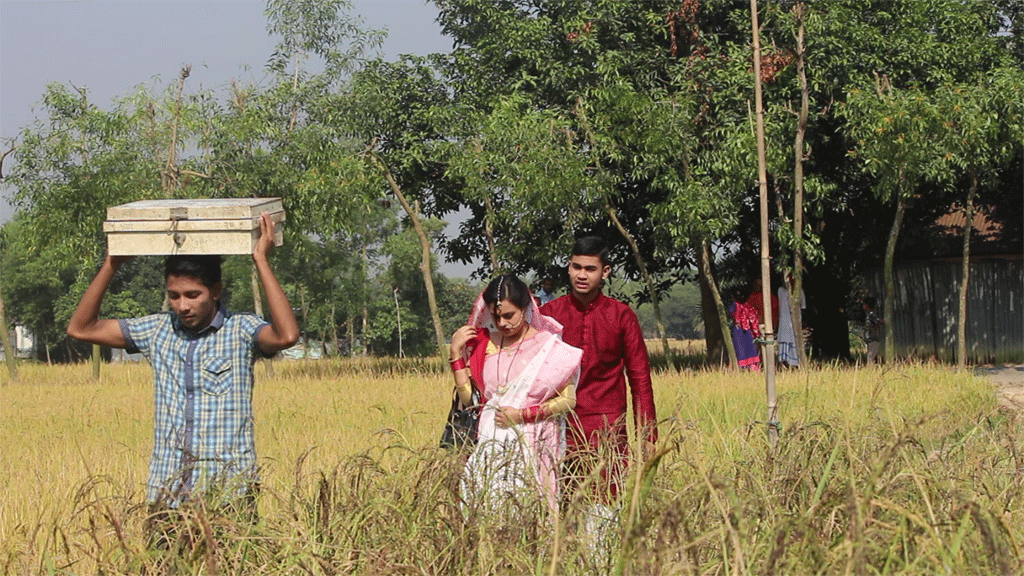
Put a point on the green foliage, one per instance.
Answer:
(982, 123)
(399, 297)
(546, 120)
(576, 119)
(321, 29)
(680, 310)
(40, 293)
(897, 138)
(522, 168)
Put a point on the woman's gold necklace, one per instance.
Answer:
(503, 387)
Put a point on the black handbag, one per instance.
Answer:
(460, 430)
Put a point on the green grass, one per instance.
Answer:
(908, 469)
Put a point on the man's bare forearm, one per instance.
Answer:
(85, 323)
(283, 324)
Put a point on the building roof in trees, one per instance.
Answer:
(993, 234)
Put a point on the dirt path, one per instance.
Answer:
(1009, 382)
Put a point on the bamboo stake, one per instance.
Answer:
(95, 361)
(762, 180)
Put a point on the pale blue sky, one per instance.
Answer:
(110, 47)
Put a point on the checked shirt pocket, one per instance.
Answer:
(217, 376)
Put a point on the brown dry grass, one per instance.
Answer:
(907, 469)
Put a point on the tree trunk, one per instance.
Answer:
(890, 282)
(651, 290)
(366, 326)
(796, 290)
(334, 333)
(398, 319)
(965, 276)
(10, 349)
(366, 312)
(169, 175)
(350, 334)
(717, 336)
(425, 268)
(257, 306)
(303, 331)
(714, 338)
(762, 180)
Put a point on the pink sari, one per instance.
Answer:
(524, 457)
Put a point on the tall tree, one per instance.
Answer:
(603, 70)
(519, 167)
(895, 131)
(799, 12)
(10, 352)
(397, 111)
(10, 357)
(762, 181)
(981, 132)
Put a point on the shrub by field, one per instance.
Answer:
(905, 470)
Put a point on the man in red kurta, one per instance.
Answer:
(756, 299)
(613, 351)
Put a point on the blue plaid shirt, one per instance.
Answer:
(203, 435)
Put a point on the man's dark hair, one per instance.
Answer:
(740, 294)
(591, 246)
(204, 268)
(508, 287)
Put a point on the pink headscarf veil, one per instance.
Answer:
(480, 317)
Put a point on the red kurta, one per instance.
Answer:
(613, 349)
(756, 299)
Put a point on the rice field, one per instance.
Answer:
(908, 469)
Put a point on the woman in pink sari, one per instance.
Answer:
(527, 377)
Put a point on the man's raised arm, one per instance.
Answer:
(85, 323)
(283, 331)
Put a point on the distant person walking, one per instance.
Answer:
(744, 331)
(872, 329)
(547, 291)
(756, 300)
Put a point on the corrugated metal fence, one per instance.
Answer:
(927, 305)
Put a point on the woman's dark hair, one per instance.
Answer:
(591, 246)
(508, 287)
(206, 269)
